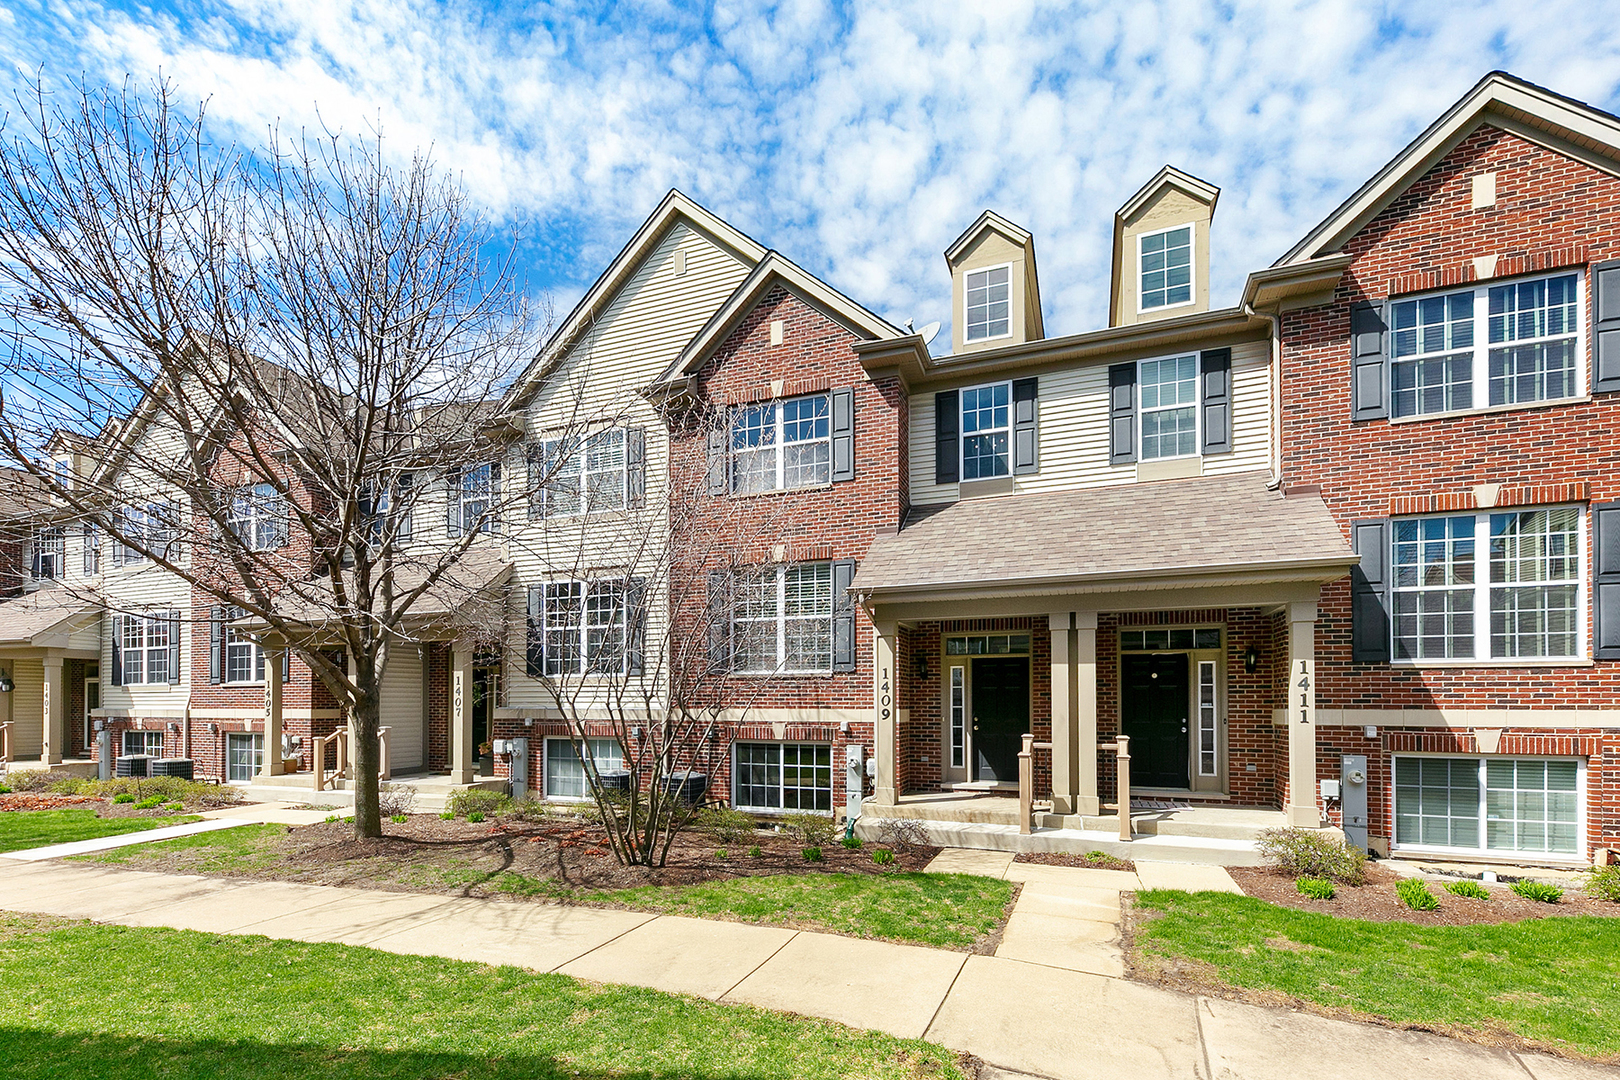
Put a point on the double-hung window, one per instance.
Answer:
(1529, 351)
(782, 776)
(48, 545)
(986, 423)
(987, 303)
(152, 525)
(780, 445)
(580, 475)
(257, 516)
(244, 659)
(387, 508)
(143, 742)
(1489, 804)
(782, 619)
(1166, 265)
(144, 644)
(1169, 406)
(476, 492)
(1495, 586)
(565, 772)
(584, 626)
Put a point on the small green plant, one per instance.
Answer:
(812, 830)
(175, 806)
(731, 828)
(1415, 894)
(399, 819)
(479, 801)
(720, 853)
(445, 815)
(754, 852)
(1471, 889)
(811, 854)
(4, 790)
(475, 817)
(1314, 887)
(883, 856)
(1539, 891)
(331, 818)
(1604, 884)
(853, 843)
(1308, 853)
(123, 797)
(149, 804)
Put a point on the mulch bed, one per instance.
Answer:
(1376, 901)
(575, 854)
(1081, 862)
(104, 808)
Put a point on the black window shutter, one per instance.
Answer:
(1606, 327)
(537, 473)
(92, 548)
(843, 434)
(492, 511)
(118, 650)
(1122, 413)
(452, 503)
(534, 653)
(1026, 434)
(635, 468)
(843, 616)
(719, 461)
(947, 436)
(719, 615)
(1369, 593)
(1369, 374)
(36, 556)
(174, 647)
(1215, 365)
(635, 630)
(1606, 579)
(216, 645)
(258, 666)
(286, 665)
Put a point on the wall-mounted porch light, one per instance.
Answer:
(922, 665)
(1251, 659)
(6, 685)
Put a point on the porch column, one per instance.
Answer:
(271, 763)
(53, 713)
(1300, 708)
(1086, 800)
(461, 730)
(885, 717)
(1065, 745)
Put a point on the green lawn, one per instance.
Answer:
(22, 829)
(241, 849)
(1554, 980)
(119, 1003)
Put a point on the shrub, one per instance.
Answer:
(754, 852)
(813, 830)
(175, 806)
(44, 780)
(475, 817)
(1539, 891)
(1415, 894)
(902, 834)
(1471, 889)
(853, 843)
(1309, 853)
(530, 809)
(478, 801)
(729, 827)
(1604, 884)
(811, 854)
(123, 797)
(149, 804)
(1314, 887)
(171, 789)
(394, 801)
(883, 856)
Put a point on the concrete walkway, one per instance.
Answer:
(1020, 1016)
(273, 813)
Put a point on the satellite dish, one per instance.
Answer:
(929, 331)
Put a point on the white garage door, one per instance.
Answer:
(401, 709)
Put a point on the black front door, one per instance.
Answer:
(1000, 716)
(1153, 712)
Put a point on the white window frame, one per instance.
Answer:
(962, 435)
(779, 783)
(957, 718)
(1581, 843)
(780, 619)
(1482, 586)
(383, 511)
(484, 520)
(50, 552)
(590, 747)
(1479, 366)
(1207, 691)
(245, 646)
(777, 444)
(256, 514)
(574, 652)
(146, 650)
(255, 740)
(1142, 410)
(1192, 267)
(146, 740)
(151, 522)
(575, 466)
(966, 307)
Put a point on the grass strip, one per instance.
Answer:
(24, 829)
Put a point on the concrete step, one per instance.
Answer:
(1200, 850)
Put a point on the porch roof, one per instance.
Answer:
(25, 619)
(477, 571)
(1171, 530)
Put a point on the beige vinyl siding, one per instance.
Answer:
(1074, 430)
(86, 638)
(400, 709)
(26, 703)
(142, 588)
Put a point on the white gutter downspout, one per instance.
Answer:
(1276, 393)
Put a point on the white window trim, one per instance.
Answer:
(231, 736)
(146, 737)
(1196, 406)
(1012, 280)
(956, 715)
(58, 552)
(545, 767)
(487, 521)
(1192, 267)
(151, 521)
(962, 434)
(255, 658)
(583, 669)
(580, 474)
(1578, 857)
(780, 445)
(146, 649)
(781, 622)
(1479, 378)
(772, 811)
(266, 510)
(1482, 598)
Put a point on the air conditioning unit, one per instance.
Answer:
(176, 766)
(134, 765)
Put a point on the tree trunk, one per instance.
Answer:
(367, 755)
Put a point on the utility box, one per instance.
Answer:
(1353, 799)
(854, 780)
(104, 754)
(517, 750)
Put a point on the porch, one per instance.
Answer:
(49, 643)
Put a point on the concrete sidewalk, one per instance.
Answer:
(1021, 1017)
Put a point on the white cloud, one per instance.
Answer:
(858, 140)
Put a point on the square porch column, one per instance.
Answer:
(53, 713)
(885, 716)
(1086, 800)
(271, 761)
(1074, 712)
(1300, 708)
(461, 730)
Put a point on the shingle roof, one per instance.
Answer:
(26, 617)
(1167, 528)
(479, 567)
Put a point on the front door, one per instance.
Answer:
(1000, 716)
(1153, 713)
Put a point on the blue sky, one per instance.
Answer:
(857, 140)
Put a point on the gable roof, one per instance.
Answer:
(988, 220)
(1169, 176)
(775, 268)
(1532, 112)
(674, 207)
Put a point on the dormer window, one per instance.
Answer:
(988, 304)
(1165, 259)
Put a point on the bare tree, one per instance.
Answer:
(278, 355)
